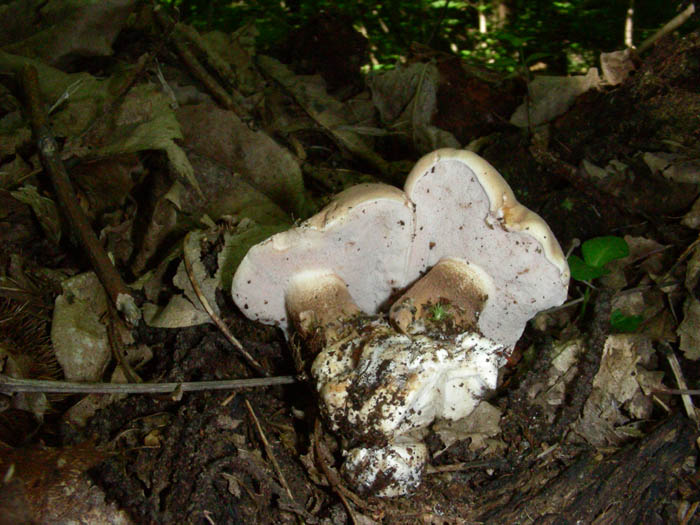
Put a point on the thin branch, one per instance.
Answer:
(457, 467)
(439, 22)
(217, 320)
(92, 133)
(677, 391)
(570, 173)
(269, 452)
(324, 460)
(116, 345)
(115, 287)
(195, 66)
(674, 24)
(682, 385)
(9, 385)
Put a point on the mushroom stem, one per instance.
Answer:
(319, 305)
(451, 295)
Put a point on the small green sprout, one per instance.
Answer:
(597, 252)
(439, 312)
(567, 204)
(622, 323)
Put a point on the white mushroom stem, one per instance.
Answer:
(388, 471)
(452, 293)
(381, 384)
(380, 389)
(319, 303)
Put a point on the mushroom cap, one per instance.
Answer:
(378, 240)
(465, 209)
(363, 236)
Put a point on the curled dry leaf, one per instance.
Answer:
(78, 334)
(551, 97)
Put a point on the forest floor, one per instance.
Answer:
(187, 147)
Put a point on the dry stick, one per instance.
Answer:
(331, 477)
(217, 63)
(677, 391)
(115, 343)
(323, 460)
(675, 23)
(571, 174)
(678, 373)
(196, 68)
(116, 98)
(457, 467)
(217, 320)
(268, 451)
(9, 385)
(113, 284)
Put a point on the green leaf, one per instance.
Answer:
(620, 322)
(582, 271)
(599, 251)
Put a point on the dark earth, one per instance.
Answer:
(200, 457)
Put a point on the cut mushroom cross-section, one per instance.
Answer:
(466, 210)
(363, 237)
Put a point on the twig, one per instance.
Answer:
(678, 373)
(457, 467)
(96, 127)
(675, 23)
(439, 22)
(65, 95)
(268, 451)
(323, 460)
(217, 320)
(115, 343)
(563, 306)
(216, 62)
(571, 174)
(9, 385)
(113, 284)
(196, 68)
(677, 391)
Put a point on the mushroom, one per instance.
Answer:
(465, 209)
(387, 471)
(491, 265)
(361, 239)
(451, 296)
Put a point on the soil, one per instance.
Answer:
(201, 457)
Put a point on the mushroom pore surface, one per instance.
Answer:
(362, 236)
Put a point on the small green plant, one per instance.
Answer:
(567, 204)
(622, 323)
(597, 253)
(439, 312)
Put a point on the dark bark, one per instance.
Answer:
(625, 487)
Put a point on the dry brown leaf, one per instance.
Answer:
(330, 113)
(551, 97)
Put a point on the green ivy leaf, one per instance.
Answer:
(599, 251)
(582, 271)
(620, 322)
